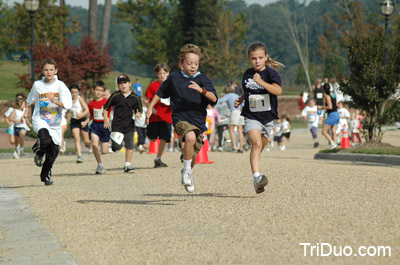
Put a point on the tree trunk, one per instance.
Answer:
(62, 2)
(93, 19)
(105, 27)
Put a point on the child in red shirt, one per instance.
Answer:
(98, 131)
(160, 121)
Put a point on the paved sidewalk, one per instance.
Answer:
(24, 241)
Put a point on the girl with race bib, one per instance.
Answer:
(261, 86)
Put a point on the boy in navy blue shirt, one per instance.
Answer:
(190, 93)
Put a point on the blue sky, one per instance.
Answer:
(85, 3)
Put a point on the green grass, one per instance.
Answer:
(8, 84)
(370, 151)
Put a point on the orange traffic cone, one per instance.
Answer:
(202, 157)
(345, 139)
(153, 148)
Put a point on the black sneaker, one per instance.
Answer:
(128, 169)
(240, 151)
(38, 160)
(316, 145)
(181, 158)
(159, 163)
(48, 180)
(259, 183)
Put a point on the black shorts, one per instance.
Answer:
(160, 130)
(74, 123)
(286, 135)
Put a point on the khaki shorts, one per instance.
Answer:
(236, 118)
(183, 127)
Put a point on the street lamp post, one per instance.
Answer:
(32, 6)
(386, 10)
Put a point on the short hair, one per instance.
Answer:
(49, 61)
(161, 66)
(74, 86)
(189, 48)
(100, 84)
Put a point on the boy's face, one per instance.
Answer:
(312, 103)
(190, 64)
(49, 71)
(98, 92)
(257, 59)
(162, 75)
(124, 87)
(107, 94)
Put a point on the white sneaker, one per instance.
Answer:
(187, 179)
(220, 149)
(110, 151)
(283, 148)
(268, 149)
(332, 145)
(21, 151)
(140, 148)
(15, 155)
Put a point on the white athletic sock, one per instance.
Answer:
(127, 164)
(187, 164)
(257, 174)
(101, 164)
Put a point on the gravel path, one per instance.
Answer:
(148, 218)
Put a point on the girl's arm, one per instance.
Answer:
(238, 101)
(12, 115)
(85, 109)
(273, 89)
(217, 115)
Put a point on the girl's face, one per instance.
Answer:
(22, 106)
(190, 64)
(49, 71)
(98, 92)
(74, 93)
(257, 59)
(162, 75)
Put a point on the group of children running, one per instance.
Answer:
(179, 99)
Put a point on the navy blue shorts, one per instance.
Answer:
(74, 123)
(278, 139)
(160, 130)
(98, 129)
(17, 130)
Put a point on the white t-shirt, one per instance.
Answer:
(344, 116)
(46, 114)
(7, 114)
(285, 127)
(312, 116)
(354, 124)
(278, 129)
(141, 123)
(18, 115)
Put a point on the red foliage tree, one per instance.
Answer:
(82, 65)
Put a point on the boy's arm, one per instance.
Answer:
(208, 94)
(150, 108)
(106, 119)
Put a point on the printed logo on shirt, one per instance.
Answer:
(251, 84)
(49, 111)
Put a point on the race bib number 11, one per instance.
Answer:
(259, 103)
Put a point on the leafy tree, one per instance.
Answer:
(154, 27)
(49, 25)
(371, 82)
(224, 56)
(5, 16)
(84, 64)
